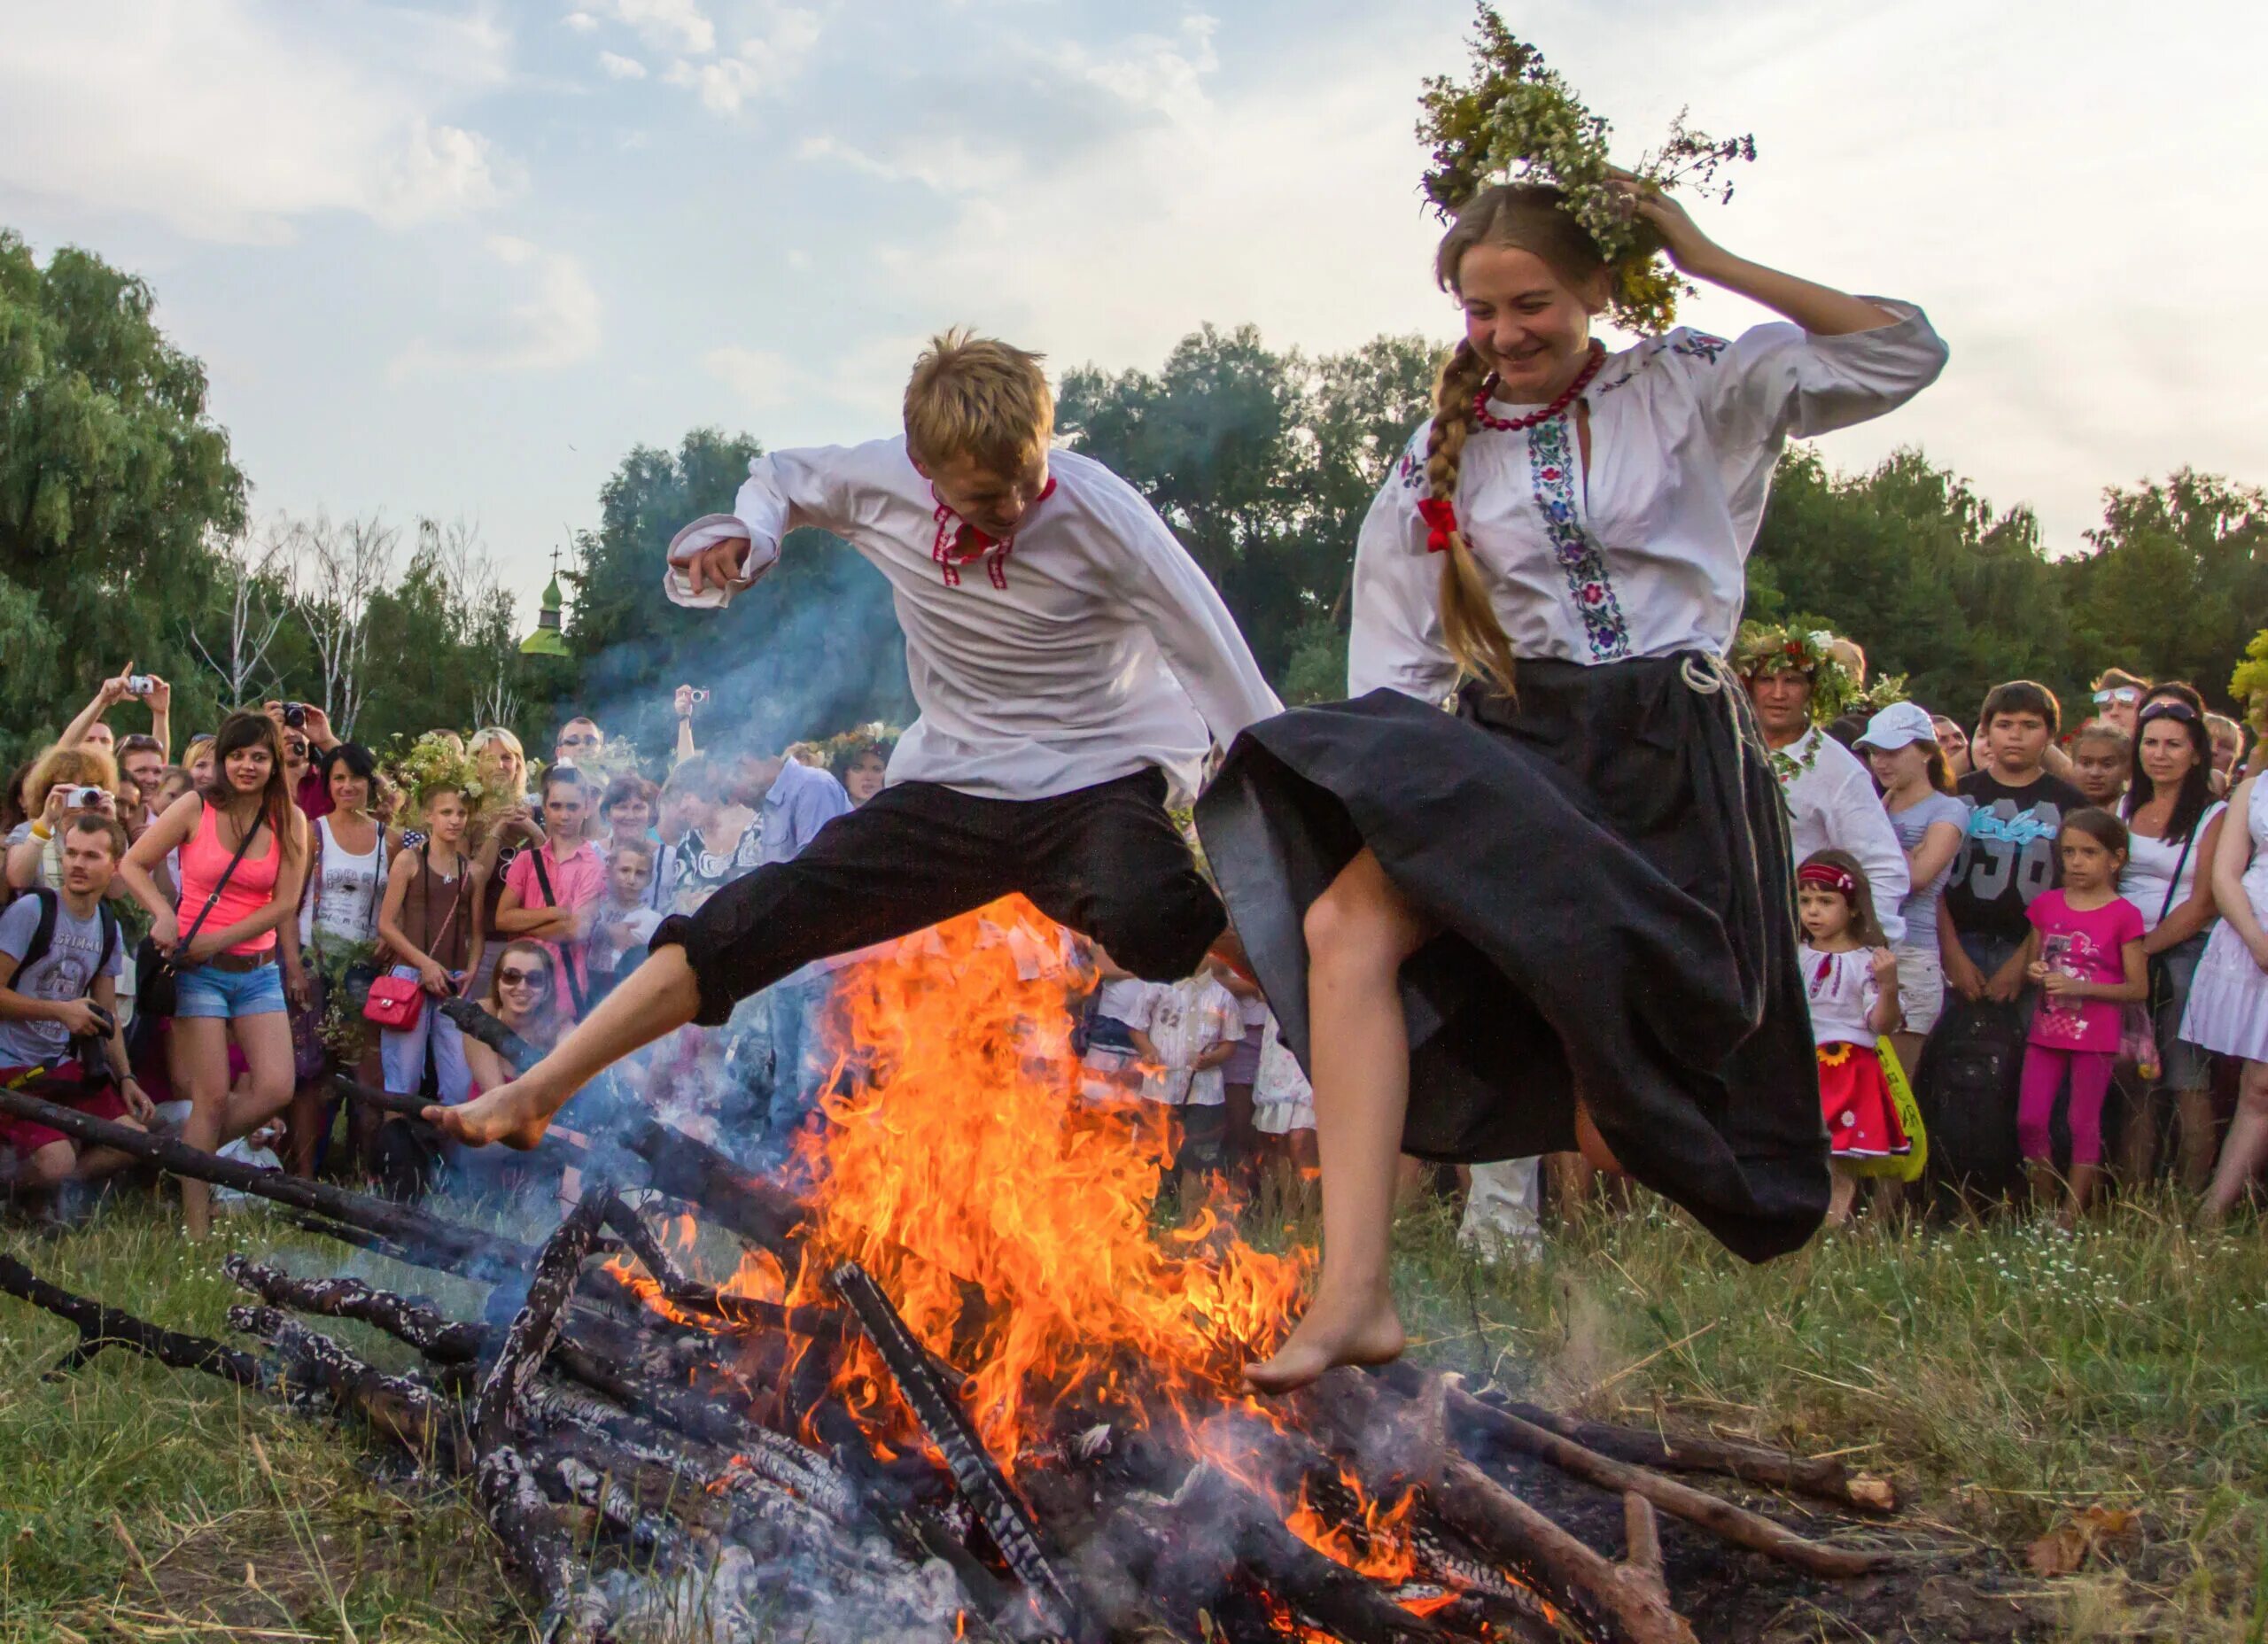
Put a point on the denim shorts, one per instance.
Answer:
(227, 995)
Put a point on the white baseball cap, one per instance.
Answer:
(1898, 724)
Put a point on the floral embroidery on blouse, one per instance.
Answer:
(1551, 469)
(1699, 345)
(1412, 469)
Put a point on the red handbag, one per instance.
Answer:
(395, 1002)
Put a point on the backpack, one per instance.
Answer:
(51, 903)
(1967, 1088)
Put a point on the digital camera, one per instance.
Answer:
(295, 716)
(137, 685)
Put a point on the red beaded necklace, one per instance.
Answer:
(1487, 418)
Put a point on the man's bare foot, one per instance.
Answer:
(515, 1114)
(1366, 1331)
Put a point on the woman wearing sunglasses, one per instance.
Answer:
(520, 995)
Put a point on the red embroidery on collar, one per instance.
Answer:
(966, 543)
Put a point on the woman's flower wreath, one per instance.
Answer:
(1519, 122)
(841, 748)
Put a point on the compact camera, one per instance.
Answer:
(81, 798)
(698, 697)
(137, 685)
(295, 716)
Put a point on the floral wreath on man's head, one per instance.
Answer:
(845, 745)
(1762, 650)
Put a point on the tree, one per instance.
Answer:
(254, 610)
(339, 569)
(1262, 463)
(113, 478)
(2174, 581)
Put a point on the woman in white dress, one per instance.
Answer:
(2174, 824)
(2228, 996)
(1580, 881)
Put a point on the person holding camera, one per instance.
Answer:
(90, 730)
(65, 783)
(61, 955)
(307, 736)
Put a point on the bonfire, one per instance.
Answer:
(957, 1376)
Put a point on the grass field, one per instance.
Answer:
(2007, 1377)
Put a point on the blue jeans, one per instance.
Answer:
(227, 995)
(799, 1060)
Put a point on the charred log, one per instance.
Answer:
(399, 1223)
(574, 1612)
(442, 1340)
(938, 1408)
(536, 1326)
(100, 1326)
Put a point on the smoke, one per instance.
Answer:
(812, 649)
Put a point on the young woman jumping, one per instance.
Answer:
(1564, 912)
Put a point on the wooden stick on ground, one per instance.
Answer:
(1752, 1463)
(1719, 1517)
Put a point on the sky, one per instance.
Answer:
(456, 259)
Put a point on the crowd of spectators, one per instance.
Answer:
(205, 945)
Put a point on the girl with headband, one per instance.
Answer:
(1851, 982)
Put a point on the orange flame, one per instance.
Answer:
(1011, 1222)
(1375, 1542)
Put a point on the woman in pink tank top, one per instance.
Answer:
(244, 852)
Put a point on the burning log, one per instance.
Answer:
(746, 1315)
(1824, 1477)
(1352, 1412)
(101, 1327)
(1718, 1516)
(1215, 1512)
(536, 1326)
(441, 1339)
(399, 1223)
(982, 1483)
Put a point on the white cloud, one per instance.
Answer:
(764, 66)
(581, 23)
(760, 379)
(226, 120)
(664, 25)
(553, 322)
(620, 67)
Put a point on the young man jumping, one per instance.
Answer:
(1072, 664)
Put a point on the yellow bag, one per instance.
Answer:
(1909, 1117)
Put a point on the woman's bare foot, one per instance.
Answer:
(515, 1114)
(1367, 1330)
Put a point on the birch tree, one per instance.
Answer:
(338, 567)
(257, 607)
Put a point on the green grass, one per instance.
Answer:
(2007, 1377)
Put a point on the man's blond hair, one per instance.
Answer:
(977, 397)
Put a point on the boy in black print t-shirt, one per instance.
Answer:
(2015, 810)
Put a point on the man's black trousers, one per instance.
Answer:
(1105, 860)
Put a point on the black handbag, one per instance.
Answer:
(155, 970)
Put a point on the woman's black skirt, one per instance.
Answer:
(1607, 862)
